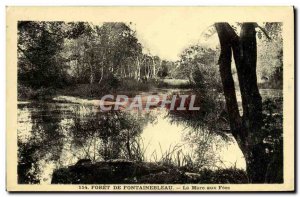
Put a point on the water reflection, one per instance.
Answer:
(55, 135)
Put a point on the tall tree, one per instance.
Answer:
(245, 128)
(40, 47)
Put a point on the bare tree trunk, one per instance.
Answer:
(228, 84)
(92, 75)
(245, 129)
(154, 68)
(149, 70)
(102, 72)
(138, 72)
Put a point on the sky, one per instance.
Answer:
(167, 36)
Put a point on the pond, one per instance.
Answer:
(57, 134)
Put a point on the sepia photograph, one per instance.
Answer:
(150, 99)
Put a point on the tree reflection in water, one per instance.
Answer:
(62, 134)
(108, 135)
(204, 133)
(44, 142)
(56, 135)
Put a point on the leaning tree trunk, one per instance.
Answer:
(246, 128)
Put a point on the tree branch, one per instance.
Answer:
(263, 30)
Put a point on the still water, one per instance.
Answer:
(60, 132)
(52, 135)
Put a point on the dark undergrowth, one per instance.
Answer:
(142, 172)
(127, 87)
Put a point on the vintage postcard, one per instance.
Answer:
(150, 99)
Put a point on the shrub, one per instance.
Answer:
(221, 176)
(134, 85)
(25, 92)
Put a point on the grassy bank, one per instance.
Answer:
(128, 87)
(25, 93)
(128, 172)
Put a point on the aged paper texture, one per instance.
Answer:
(150, 99)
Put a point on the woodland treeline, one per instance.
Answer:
(59, 54)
